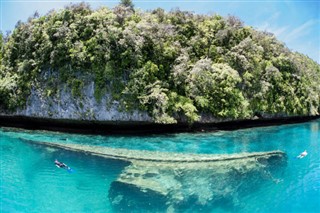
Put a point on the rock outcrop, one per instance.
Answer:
(64, 105)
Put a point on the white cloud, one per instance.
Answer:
(301, 30)
(274, 17)
(268, 25)
(279, 31)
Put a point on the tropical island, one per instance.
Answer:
(124, 64)
(128, 71)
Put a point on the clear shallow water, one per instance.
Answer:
(31, 183)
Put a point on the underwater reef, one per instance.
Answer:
(170, 181)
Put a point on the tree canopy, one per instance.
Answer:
(175, 65)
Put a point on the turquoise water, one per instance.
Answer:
(31, 183)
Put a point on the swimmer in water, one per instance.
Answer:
(63, 166)
(60, 165)
(303, 154)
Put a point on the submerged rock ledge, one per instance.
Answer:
(143, 155)
(169, 182)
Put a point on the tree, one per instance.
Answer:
(213, 87)
(127, 3)
(1, 51)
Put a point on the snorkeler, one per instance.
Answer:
(303, 154)
(60, 165)
(63, 166)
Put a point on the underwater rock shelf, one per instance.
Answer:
(142, 155)
(168, 182)
(204, 181)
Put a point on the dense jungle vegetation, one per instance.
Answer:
(174, 65)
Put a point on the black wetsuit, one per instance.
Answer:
(59, 164)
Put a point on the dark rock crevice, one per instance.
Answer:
(139, 127)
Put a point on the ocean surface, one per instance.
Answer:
(30, 182)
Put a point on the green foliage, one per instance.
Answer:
(176, 65)
(127, 3)
(76, 87)
(8, 93)
(183, 106)
(213, 87)
(1, 46)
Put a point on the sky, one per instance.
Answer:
(294, 22)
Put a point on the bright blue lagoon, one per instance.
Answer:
(31, 183)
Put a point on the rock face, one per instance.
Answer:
(155, 181)
(65, 106)
(63, 111)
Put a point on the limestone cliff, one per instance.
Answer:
(64, 105)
